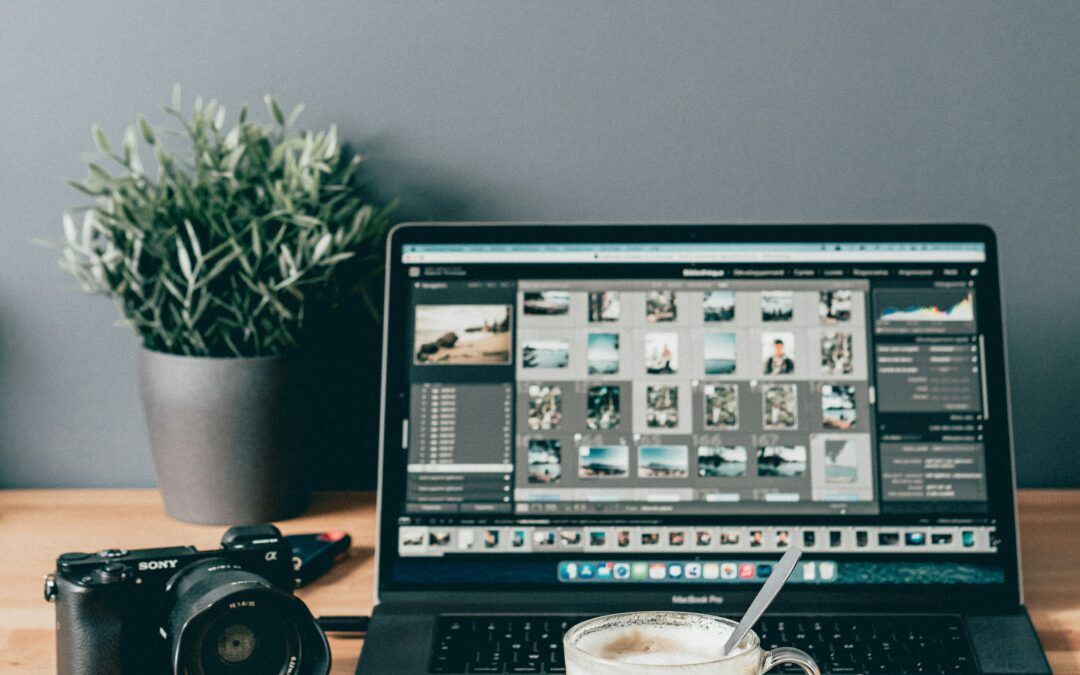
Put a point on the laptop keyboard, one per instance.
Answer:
(852, 644)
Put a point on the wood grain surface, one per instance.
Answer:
(36, 525)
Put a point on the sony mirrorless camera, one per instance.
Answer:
(184, 611)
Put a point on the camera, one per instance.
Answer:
(184, 611)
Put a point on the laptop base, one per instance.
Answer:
(459, 642)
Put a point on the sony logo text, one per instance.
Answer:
(157, 565)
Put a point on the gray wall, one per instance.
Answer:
(562, 109)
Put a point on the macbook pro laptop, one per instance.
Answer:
(585, 419)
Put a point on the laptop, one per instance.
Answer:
(581, 419)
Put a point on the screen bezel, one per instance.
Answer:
(999, 460)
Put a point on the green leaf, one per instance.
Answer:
(176, 96)
(131, 153)
(146, 130)
(232, 138)
(336, 258)
(331, 142)
(322, 247)
(84, 188)
(101, 141)
(275, 109)
(70, 233)
(195, 248)
(256, 240)
(294, 115)
(185, 260)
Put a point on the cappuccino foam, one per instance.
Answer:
(658, 645)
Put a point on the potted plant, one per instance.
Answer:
(215, 258)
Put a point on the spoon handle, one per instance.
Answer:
(765, 596)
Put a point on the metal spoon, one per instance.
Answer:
(765, 596)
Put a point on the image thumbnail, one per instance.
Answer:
(660, 306)
(662, 407)
(603, 353)
(462, 335)
(781, 461)
(719, 353)
(604, 306)
(439, 538)
(841, 464)
(546, 303)
(777, 305)
(603, 408)
(545, 461)
(545, 354)
(412, 538)
(719, 305)
(836, 356)
(781, 406)
(663, 461)
(838, 406)
(834, 306)
(603, 461)
(545, 407)
(721, 461)
(778, 351)
(544, 538)
(570, 538)
(721, 406)
(662, 353)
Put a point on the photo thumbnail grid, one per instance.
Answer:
(639, 386)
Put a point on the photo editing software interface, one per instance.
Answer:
(667, 413)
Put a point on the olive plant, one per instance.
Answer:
(237, 231)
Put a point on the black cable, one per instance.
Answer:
(344, 624)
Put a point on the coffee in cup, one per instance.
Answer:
(680, 643)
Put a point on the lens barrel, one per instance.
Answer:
(225, 620)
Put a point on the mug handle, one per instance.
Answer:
(782, 655)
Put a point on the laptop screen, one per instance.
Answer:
(607, 415)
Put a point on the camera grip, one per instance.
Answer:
(88, 628)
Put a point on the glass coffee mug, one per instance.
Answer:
(670, 643)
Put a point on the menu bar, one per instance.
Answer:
(694, 253)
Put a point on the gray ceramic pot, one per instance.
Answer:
(217, 432)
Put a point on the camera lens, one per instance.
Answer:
(236, 643)
(225, 620)
(243, 642)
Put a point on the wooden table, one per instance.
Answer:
(36, 525)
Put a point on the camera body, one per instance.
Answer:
(142, 611)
